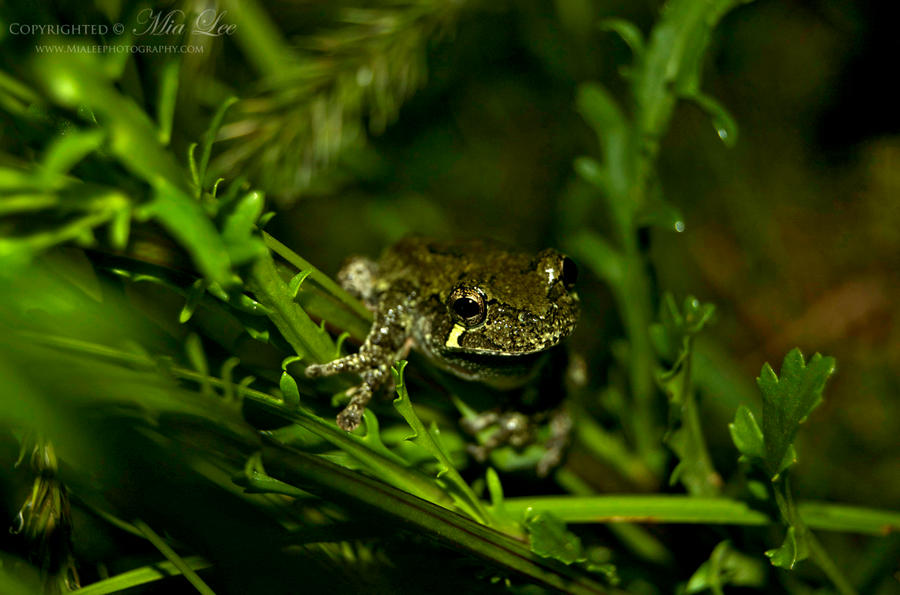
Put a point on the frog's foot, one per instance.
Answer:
(374, 377)
(513, 429)
(560, 434)
(351, 416)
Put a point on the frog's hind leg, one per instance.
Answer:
(358, 275)
(513, 428)
(555, 447)
(518, 430)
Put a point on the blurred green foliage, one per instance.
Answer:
(156, 313)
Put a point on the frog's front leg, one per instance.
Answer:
(385, 344)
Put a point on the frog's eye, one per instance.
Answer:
(569, 272)
(468, 306)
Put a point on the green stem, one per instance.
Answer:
(823, 560)
(709, 480)
(610, 449)
(694, 510)
(370, 497)
(170, 554)
(634, 303)
(641, 509)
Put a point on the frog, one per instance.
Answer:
(475, 308)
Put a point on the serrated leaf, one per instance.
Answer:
(456, 486)
(550, 538)
(790, 552)
(788, 400)
(746, 434)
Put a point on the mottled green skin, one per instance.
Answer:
(528, 310)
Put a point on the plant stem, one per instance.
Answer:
(166, 550)
(823, 560)
(634, 303)
(369, 497)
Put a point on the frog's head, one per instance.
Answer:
(504, 310)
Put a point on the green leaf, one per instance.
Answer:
(746, 434)
(674, 338)
(168, 92)
(209, 137)
(790, 552)
(727, 566)
(629, 33)
(195, 294)
(788, 400)
(550, 538)
(606, 262)
(142, 576)
(289, 389)
(184, 218)
(70, 148)
(239, 229)
(194, 349)
(602, 112)
(724, 123)
(429, 439)
(297, 281)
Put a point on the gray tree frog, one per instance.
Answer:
(477, 309)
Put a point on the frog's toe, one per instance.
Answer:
(478, 452)
(326, 369)
(350, 418)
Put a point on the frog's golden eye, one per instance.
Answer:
(569, 272)
(468, 306)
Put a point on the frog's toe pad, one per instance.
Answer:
(350, 418)
(478, 452)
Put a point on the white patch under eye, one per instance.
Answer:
(455, 333)
(552, 275)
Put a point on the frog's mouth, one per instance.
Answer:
(498, 370)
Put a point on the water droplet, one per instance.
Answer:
(679, 226)
(723, 134)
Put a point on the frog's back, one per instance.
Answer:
(439, 265)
